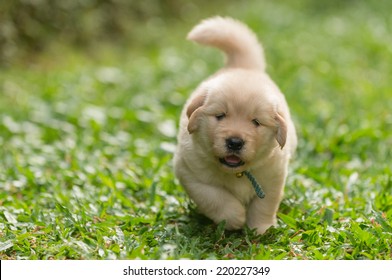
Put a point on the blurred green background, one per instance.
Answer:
(28, 27)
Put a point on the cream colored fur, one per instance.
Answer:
(239, 101)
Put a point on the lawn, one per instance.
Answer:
(87, 140)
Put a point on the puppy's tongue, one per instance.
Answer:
(232, 159)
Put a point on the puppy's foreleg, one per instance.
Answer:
(219, 205)
(262, 212)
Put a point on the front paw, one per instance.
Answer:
(236, 222)
(235, 217)
(261, 229)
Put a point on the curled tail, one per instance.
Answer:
(234, 38)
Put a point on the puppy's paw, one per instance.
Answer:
(234, 215)
(261, 226)
(235, 222)
(261, 229)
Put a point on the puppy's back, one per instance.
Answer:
(232, 37)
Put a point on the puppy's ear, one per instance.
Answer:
(193, 112)
(281, 133)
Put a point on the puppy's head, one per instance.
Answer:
(236, 119)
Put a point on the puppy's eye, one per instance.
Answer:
(220, 116)
(256, 122)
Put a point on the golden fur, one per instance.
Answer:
(236, 120)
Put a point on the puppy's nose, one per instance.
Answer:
(234, 143)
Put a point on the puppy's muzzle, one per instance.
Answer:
(234, 144)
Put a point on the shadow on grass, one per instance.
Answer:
(197, 237)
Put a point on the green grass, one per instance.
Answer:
(87, 142)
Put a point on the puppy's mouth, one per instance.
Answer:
(232, 161)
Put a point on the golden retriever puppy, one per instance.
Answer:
(235, 123)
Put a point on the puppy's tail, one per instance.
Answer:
(234, 38)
